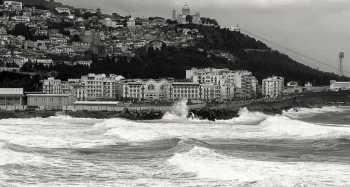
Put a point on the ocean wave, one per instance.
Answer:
(265, 127)
(305, 112)
(284, 127)
(48, 133)
(208, 164)
(245, 116)
(8, 156)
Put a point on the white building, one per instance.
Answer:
(339, 86)
(11, 96)
(273, 87)
(230, 83)
(186, 12)
(99, 86)
(185, 90)
(52, 86)
(13, 5)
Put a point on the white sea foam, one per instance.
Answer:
(208, 164)
(306, 112)
(11, 157)
(284, 127)
(270, 127)
(48, 133)
(245, 116)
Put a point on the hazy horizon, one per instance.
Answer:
(315, 28)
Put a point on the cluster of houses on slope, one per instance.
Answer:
(45, 37)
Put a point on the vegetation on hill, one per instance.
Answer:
(16, 80)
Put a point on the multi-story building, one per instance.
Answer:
(144, 89)
(99, 86)
(52, 86)
(272, 87)
(90, 87)
(185, 90)
(225, 83)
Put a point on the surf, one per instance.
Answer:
(206, 163)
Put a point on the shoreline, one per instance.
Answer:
(210, 112)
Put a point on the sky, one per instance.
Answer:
(311, 31)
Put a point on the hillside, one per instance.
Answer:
(250, 54)
(240, 52)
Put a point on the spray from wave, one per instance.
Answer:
(179, 111)
(246, 117)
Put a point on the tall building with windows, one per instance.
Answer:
(272, 87)
(185, 90)
(52, 86)
(224, 84)
(100, 86)
(138, 89)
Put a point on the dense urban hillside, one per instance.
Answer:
(217, 48)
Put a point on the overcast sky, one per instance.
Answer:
(316, 28)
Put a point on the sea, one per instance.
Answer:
(299, 148)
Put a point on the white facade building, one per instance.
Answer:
(99, 86)
(339, 86)
(144, 89)
(273, 87)
(225, 83)
(52, 86)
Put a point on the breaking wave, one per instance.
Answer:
(304, 112)
(245, 116)
(284, 127)
(8, 156)
(249, 125)
(208, 164)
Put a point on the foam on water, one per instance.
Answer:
(266, 127)
(245, 116)
(305, 112)
(284, 127)
(11, 157)
(208, 164)
(49, 133)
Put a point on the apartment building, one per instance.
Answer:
(225, 83)
(100, 86)
(272, 87)
(52, 86)
(185, 90)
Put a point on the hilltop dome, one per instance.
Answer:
(186, 10)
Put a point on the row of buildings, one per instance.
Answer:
(113, 92)
(201, 84)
